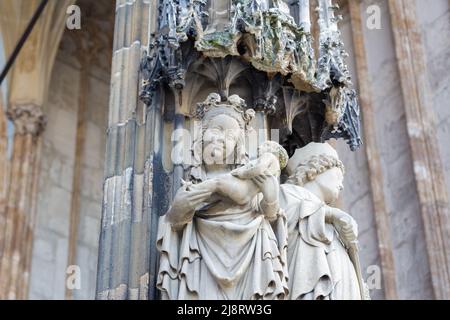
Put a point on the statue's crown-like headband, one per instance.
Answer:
(234, 107)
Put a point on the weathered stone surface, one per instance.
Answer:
(435, 29)
(357, 200)
(270, 40)
(421, 122)
(122, 168)
(48, 274)
(396, 162)
(135, 271)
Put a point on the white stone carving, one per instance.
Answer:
(225, 237)
(322, 253)
(232, 232)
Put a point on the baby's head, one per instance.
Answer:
(277, 150)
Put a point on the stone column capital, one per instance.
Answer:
(27, 119)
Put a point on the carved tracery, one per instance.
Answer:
(270, 45)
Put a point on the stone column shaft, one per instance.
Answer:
(28, 89)
(421, 124)
(77, 171)
(29, 122)
(126, 239)
(305, 14)
(4, 164)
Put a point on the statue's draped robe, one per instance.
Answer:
(319, 266)
(227, 251)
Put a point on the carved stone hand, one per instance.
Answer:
(344, 224)
(186, 200)
(269, 187)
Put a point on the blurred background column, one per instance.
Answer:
(28, 86)
(371, 148)
(421, 124)
(3, 167)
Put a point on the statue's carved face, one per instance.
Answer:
(331, 184)
(220, 140)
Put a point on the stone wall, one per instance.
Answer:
(435, 26)
(413, 279)
(357, 194)
(50, 252)
(408, 239)
(55, 187)
(91, 186)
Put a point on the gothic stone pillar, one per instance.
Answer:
(3, 168)
(371, 148)
(421, 123)
(124, 257)
(29, 122)
(28, 88)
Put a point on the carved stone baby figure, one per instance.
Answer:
(321, 238)
(272, 159)
(244, 183)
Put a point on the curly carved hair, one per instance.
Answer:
(307, 172)
(277, 150)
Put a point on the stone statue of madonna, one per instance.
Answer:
(224, 236)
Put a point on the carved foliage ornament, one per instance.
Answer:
(27, 119)
(267, 37)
